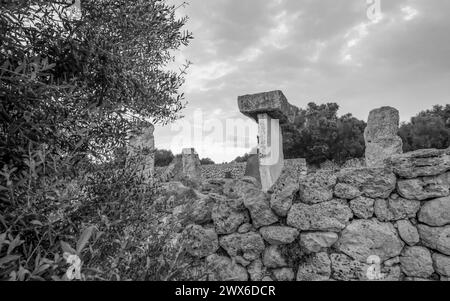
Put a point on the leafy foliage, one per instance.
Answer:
(429, 129)
(72, 92)
(207, 161)
(163, 157)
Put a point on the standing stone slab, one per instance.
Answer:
(191, 164)
(421, 163)
(381, 136)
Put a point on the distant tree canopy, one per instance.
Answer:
(207, 161)
(72, 87)
(327, 136)
(242, 159)
(429, 129)
(163, 157)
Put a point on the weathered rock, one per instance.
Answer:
(421, 163)
(314, 242)
(284, 274)
(364, 238)
(281, 202)
(442, 264)
(273, 257)
(195, 212)
(274, 103)
(371, 182)
(223, 269)
(408, 232)
(278, 235)
(362, 207)
(200, 242)
(392, 262)
(256, 270)
(317, 188)
(436, 212)
(241, 260)
(381, 137)
(345, 269)
(425, 188)
(316, 267)
(329, 216)
(345, 191)
(435, 238)
(245, 228)
(258, 204)
(396, 209)
(235, 189)
(249, 245)
(191, 164)
(266, 279)
(417, 262)
(228, 215)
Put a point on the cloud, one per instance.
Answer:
(318, 51)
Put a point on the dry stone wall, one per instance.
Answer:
(380, 223)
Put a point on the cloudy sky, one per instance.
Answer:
(313, 50)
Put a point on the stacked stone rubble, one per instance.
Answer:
(380, 223)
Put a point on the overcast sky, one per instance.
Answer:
(312, 50)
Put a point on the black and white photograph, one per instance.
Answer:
(225, 146)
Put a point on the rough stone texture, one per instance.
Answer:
(421, 163)
(273, 258)
(442, 264)
(281, 201)
(345, 191)
(315, 242)
(317, 188)
(273, 103)
(316, 267)
(223, 269)
(256, 270)
(197, 212)
(249, 245)
(408, 232)
(362, 207)
(191, 164)
(435, 238)
(396, 209)
(416, 262)
(425, 188)
(345, 269)
(381, 137)
(235, 189)
(284, 274)
(363, 238)
(278, 235)
(142, 148)
(245, 228)
(228, 215)
(371, 182)
(200, 242)
(436, 212)
(258, 204)
(329, 216)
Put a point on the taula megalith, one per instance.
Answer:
(381, 136)
(275, 117)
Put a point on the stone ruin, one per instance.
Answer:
(184, 167)
(387, 221)
(381, 136)
(141, 148)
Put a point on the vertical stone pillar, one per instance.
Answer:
(271, 157)
(141, 151)
(381, 136)
(272, 112)
(191, 164)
